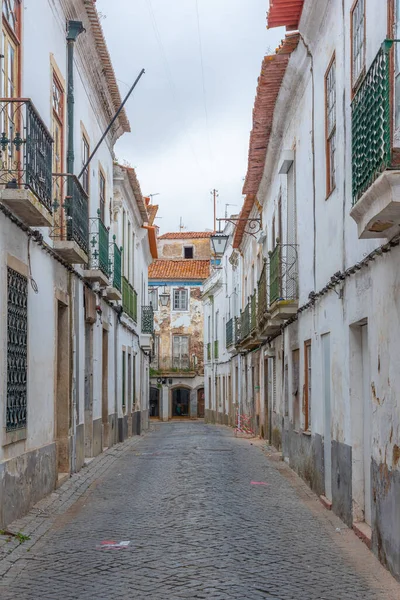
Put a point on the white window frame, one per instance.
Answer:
(153, 292)
(180, 293)
(177, 361)
(357, 41)
(330, 125)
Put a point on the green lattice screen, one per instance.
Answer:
(371, 126)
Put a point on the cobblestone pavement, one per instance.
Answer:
(198, 528)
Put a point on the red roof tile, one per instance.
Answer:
(186, 235)
(284, 13)
(273, 69)
(179, 269)
(105, 58)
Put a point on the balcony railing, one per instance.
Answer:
(216, 349)
(116, 265)
(236, 330)
(147, 319)
(253, 311)
(283, 278)
(129, 299)
(209, 351)
(229, 333)
(245, 322)
(72, 215)
(26, 149)
(262, 293)
(371, 125)
(99, 246)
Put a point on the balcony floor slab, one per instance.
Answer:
(26, 206)
(96, 276)
(377, 212)
(282, 310)
(113, 293)
(71, 252)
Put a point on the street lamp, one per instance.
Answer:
(219, 242)
(164, 298)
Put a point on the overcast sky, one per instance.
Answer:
(186, 141)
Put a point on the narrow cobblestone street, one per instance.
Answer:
(185, 498)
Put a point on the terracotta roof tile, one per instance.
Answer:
(108, 70)
(137, 192)
(152, 210)
(186, 235)
(179, 269)
(273, 69)
(284, 13)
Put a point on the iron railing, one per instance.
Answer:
(229, 333)
(26, 149)
(216, 349)
(245, 322)
(17, 350)
(116, 265)
(371, 126)
(236, 330)
(72, 215)
(99, 246)
(129, 299)
(262, 287)
(147, 319)
(283, 278)
(253, 311)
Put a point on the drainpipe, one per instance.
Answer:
(75, 28)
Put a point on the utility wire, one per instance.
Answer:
(203, 79)
(171, 82)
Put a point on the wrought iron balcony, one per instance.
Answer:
(371, 123)
(98, 268)
(216, 349)
(71, 219)
(147, 319)
(115, 270)
(229, 333)
(375, 163)
(26, 162)
(253, 311)
(283, 281)
(236, 330)
(129, 299)
(245, 322)
(263, 302)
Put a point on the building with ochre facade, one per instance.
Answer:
(175, 292)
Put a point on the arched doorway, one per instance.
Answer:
(200, 403)
(154, 402)
(180, 402)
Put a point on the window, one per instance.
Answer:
(102, 193)
(188, 251)
(57, 127)
(216, 324)
(85, 158)
(180, 352)
(128, 254)
(357, 41)
(307, 385)
(180, 299)
(330, 126)
(123, 242)
(209, 328)
(17, 350)
(10, 118)
(123, 380)
(153, 298)
(295, 389)
(156, 353)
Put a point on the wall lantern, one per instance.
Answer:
(219, 242)
(164, 298)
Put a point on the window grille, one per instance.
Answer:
(17, 350)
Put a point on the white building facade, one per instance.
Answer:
(318, 344)
(61, 320)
